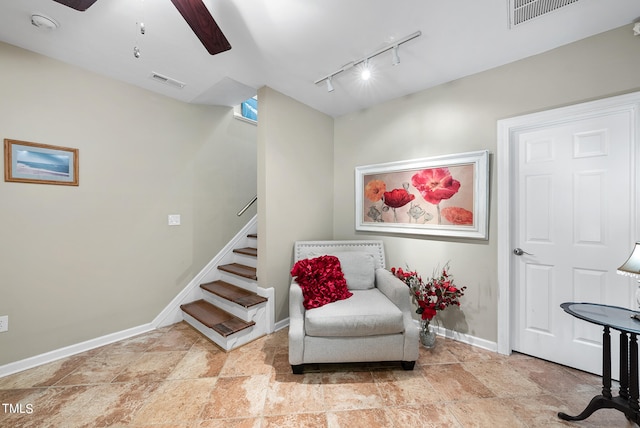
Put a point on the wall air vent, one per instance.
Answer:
(167, 80)
(521, 11)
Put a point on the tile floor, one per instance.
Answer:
(174, 377)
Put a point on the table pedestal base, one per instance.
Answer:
(602, 402)
(627, 400)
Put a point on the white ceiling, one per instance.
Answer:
(289, 44)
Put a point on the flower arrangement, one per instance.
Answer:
(436, 294)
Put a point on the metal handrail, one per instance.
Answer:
(246, 207)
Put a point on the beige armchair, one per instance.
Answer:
(374, 324)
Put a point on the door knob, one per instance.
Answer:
(520, 251)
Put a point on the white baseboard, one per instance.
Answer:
(68, 351)
(463, 337)
(281, 324)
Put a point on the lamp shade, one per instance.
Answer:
(632, 266)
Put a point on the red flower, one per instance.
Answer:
(435, 184)
(428, 313)
(457, 215)
(398, 198)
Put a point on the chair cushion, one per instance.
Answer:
(366, 313)
(321, 280)
(358, 268)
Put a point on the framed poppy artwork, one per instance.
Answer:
(444, 196)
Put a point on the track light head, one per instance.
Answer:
(395, 60)
(366, 71)
(330, 87)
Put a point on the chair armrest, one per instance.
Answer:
(296, 307)
(395, 290)
(398, 292)
(296, 324)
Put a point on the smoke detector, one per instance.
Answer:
(43, 22)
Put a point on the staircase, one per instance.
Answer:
(229, 307)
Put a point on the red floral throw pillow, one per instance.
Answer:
(321, 280)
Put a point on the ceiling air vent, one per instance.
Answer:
(522, 11)
(167, 80)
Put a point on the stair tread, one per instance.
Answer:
(240, 269)
(247, 251)
(233, 293)
(253, 235)
(222, 322)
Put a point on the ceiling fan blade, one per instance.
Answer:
(80, 5)
(203, 25)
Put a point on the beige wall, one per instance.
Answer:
(77, 263)
(295, 186)
(461, 116)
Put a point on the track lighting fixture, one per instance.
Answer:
(365, 72)
(395, 59)
(329, 84)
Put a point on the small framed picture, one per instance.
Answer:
(444, 196)
(26, 162)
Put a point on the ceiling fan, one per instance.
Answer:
(193, 11)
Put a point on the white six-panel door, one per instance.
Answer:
(573, 215)
(568, 183)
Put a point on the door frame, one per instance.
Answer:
(506, 131)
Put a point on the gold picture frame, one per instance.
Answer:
(26, 162)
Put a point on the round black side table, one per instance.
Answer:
(624, 321)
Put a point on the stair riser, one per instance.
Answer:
(245, 260)
(245, 314)
(230, 342)
(240, 281)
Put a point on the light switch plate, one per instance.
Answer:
(174, 219)
(4, 323)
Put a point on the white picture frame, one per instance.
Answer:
(442, 196)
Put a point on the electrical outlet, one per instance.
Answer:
(4, 323)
